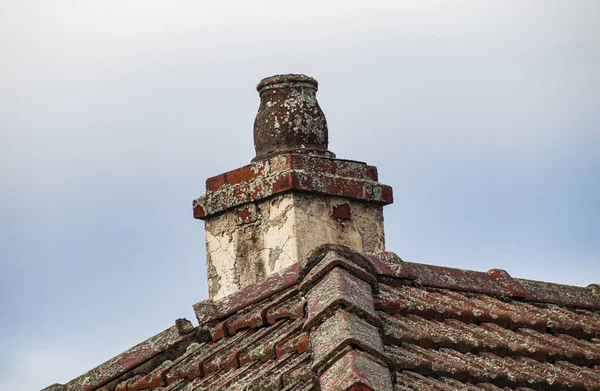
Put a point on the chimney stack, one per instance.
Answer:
(293, 197)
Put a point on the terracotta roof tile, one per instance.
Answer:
(340, 330)
(408, 380)
(442, 304)
(487, 367)
(476, 338)
(355, 368)
(495, 282)
(347, 322)
(340, 288)
(208, 311)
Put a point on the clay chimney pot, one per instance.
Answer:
(289, 119)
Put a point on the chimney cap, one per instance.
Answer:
(289, 80)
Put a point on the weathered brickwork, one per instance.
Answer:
(285, 229)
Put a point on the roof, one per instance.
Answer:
(346, 321)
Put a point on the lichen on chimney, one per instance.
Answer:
(293, 197)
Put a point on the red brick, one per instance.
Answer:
(242, 174)
(215, 183)
(244, 215)
(387, 194)
(295, 172)
(241, 193)
(372, 174)
(199, 212)
(256, 190)
(282, 183)
(342, 211)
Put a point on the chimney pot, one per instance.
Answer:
(289, 119)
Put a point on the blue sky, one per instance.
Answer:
(483, 116)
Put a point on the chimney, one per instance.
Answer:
(294, 195)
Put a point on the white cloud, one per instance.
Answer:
(109, 105)
(39, 368)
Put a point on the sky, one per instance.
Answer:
(483, 116)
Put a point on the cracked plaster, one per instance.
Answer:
(286, 228)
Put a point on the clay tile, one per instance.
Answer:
(292, 309)
(595, 288)
(346, 252)
(297, 375)
(122, 386)
(341, 330)
(326, 257)
(218, 332)
(510, 285)
(337, 289)
(210, 310)
(356, 371)
(251, 320)
(387, 264)
(206, 311)
(566, 295)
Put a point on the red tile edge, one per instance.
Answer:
(209, 310)
(547, 292)
(125, 361)
(291, 172)
(340, 288)
(495, 282)
(331, 260)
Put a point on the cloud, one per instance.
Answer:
(481, 116)
(31, 370)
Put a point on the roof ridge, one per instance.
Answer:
(494, 282)
(337, 285)
(343, 328)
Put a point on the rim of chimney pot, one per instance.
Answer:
(290, 80)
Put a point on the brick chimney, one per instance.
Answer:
(294, 195)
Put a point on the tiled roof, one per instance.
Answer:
(448, 329)
(349, 322)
